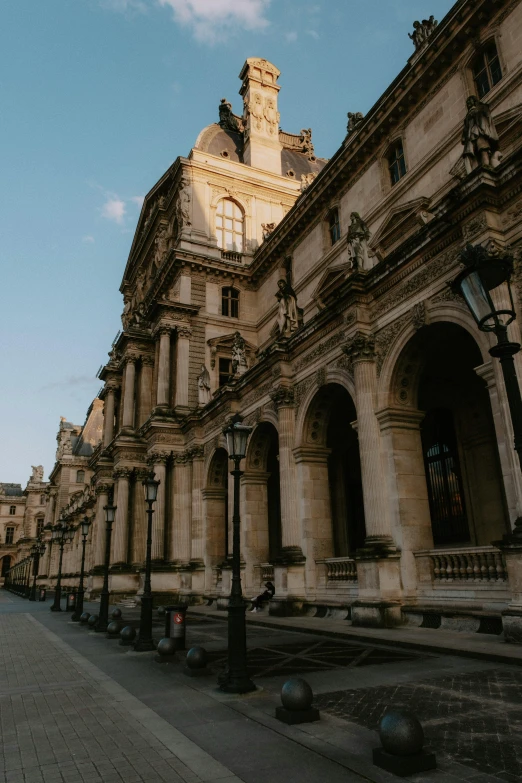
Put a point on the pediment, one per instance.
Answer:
(329, 284)
(401, 222)
(224, 346)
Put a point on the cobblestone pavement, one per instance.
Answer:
(474, 719)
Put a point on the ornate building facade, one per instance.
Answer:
(312, 297)
(22, 518)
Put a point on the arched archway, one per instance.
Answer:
(453, 461)
(262, 471)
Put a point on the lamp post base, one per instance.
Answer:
(237, 684)
(145, 642)
(235, 678)
(78, 611)
(57, 599)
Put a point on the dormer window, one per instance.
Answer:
(230, 302)
(334, 226)
(396, 162)
(486, 69)
(229, 226)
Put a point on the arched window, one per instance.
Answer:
(80, 476)
(12, 510)
(229, 226)
(39, 526)
(448, 514)
(334, 226)
(396, 162)
(230, 302)
(486, 69)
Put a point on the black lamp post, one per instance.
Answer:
(59, 535)
(236, 679)
(78, 611)
(39, 549)
(484, 273)
(103, 617)
(145, 642)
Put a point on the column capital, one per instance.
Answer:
(130, 358)
(103, 488)
(196, 452)
(283, 396)
(162, 328)
(120, 473)
(111, 386)
(360, 348)
(184, 331)
(158, 458)
(147, 361)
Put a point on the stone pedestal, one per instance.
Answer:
(379, 604)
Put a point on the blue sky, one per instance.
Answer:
(98, 97)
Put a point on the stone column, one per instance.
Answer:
(197, 537)
(163, 392)
(147, 365)
(182, 506)
(159, 461)
(108, 416)
(182, 367)
(128, 399)
(283, 397)
(120, 535)
(139, 528)
(99, 533)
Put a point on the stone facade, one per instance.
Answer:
(380, 468)
(22, 518)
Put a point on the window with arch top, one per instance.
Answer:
(229, 225)
(396, 162)
(334, 226)
(230, 302)
(486, 69)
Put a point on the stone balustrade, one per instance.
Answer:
(266, 572)
(466, 564)
(340, 569)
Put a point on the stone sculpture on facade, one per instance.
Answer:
(354, 120)
(272, 116)
(182, 209)
(267, 228)
(479, 137)
(358, 236)
(422, 31)
(307, 179)
(288, 313)
(306, 143)
(37, 474)
(204, 392)
(227, 119)
(239, 357)
(160, 247)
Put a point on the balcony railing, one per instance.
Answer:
(231, 255)
(340, 569)
(484, 564)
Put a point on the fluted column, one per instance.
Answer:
(120, 539)
(182, 366)
(102, 491)
(128, 399)
(159, 461)
(147, 364)
(163, 392)
(108, 416)
(197, 535)
(283, 397)
(181, 527)
(361, 350)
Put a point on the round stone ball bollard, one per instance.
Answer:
(84, 618)
(127, 636)
(116, 614)
(93, 619)
(296, 698)
(196, 662)
(166, 650)
(402, 739)
(113, 629)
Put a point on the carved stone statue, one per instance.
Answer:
(354, 119)
(125, 316)
(204, 393)
(239, 357)
(288, 313)
(37, 474)
(306, 143)
(479, 137)
(267, 229)
(307, 179)
(422, 31)
(272, 116)
(160, 246)
(182, 207)
(227, 119)
(358, 236)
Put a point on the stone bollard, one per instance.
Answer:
(127, 636)
(196, 662)
(297, 697)
(113, 629)
(116, 614)
(93, 619)
(84, 618)
(166, 651)
(402, 740)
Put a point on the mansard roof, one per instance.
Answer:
(11, 490)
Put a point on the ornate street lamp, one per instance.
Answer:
(78, 611)
(59, 536)
(38, 549)
(145, 642)
(235, 678)
(485, 285)
(103, 617)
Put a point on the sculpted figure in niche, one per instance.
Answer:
(288, 313)
(479, 137)
(125, 316)
(160, 246)
(358, 236)
(204, 393)
(239, 358)
(354, 119)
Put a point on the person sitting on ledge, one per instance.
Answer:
(263, 598)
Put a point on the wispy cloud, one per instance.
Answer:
(124, 6)
(88, 239)
(114, 209)
(313, 33)
(291, 36)
(212, 20)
